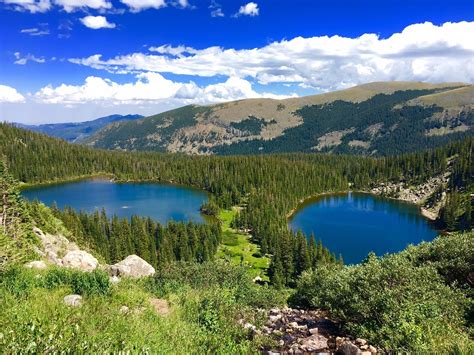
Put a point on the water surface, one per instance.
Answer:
(355, 224)
(161, 202)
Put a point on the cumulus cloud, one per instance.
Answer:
(22, 60)
(421, 52)
(149, 87)
(72, 5)
(250, 9)
(9, 94)
(32, 6)
(139, 5)
(96, 22)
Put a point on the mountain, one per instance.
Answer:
(377, 119)
(76, 132)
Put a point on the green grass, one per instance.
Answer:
(205, 300)
(237, 247)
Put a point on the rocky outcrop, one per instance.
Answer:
(301, 331)
(419, 194)
(80, 259)
(132, 266)
(59, 251)
(73, 300)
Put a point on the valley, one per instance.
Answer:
(235, 275)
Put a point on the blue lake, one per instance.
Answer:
(161, 202)
(355, 224)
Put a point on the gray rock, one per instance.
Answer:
(313, 331)
(133, 266)
(73, 300)
(360, 341)
(347, 349)
(80, 259)
(275, 318)
(372, 349)
(37, 264)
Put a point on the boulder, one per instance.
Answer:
(347, 349)
(80, 259)
(73, 300)
(132, 266)
(37, 264)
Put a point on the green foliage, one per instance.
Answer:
(20, 281)
(451, 255)
(392, 301)
(16, 235)
(268, 186)
(178, 276)
(203, 318)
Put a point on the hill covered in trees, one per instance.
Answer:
(418, 301)
(269, 186)
(376, 119)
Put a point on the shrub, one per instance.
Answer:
(390, 301)
(90, 283)
(175, 276)
(18, 281)
(452, 255)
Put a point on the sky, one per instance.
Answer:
(76, 60)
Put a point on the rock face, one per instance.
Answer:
(37, 264)
(80, 259)
(132, 266)
(73, 300)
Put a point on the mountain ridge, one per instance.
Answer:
(240, 126)
(76, 132)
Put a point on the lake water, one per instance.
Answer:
(161, 202)
(355, 224)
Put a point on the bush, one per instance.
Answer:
(390, 301)
(452, 255)
(18, 281)
(202, 276)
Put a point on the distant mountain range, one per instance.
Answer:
(77, 132)
(375, 119)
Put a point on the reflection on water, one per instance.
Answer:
(162, 202)
(355, 224)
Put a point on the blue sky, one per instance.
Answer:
(70, 60)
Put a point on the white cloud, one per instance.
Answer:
(250, 9)
(139, 5)
(32, 6)
(43, 30)
(9, 94)
(421, 52)
(96, 22)
(72, 5)
(22, 60)
(216, 9)
(149, 87)
(173, 51)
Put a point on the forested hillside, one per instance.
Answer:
(376, 119)
(268, 186)
(419, 300)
